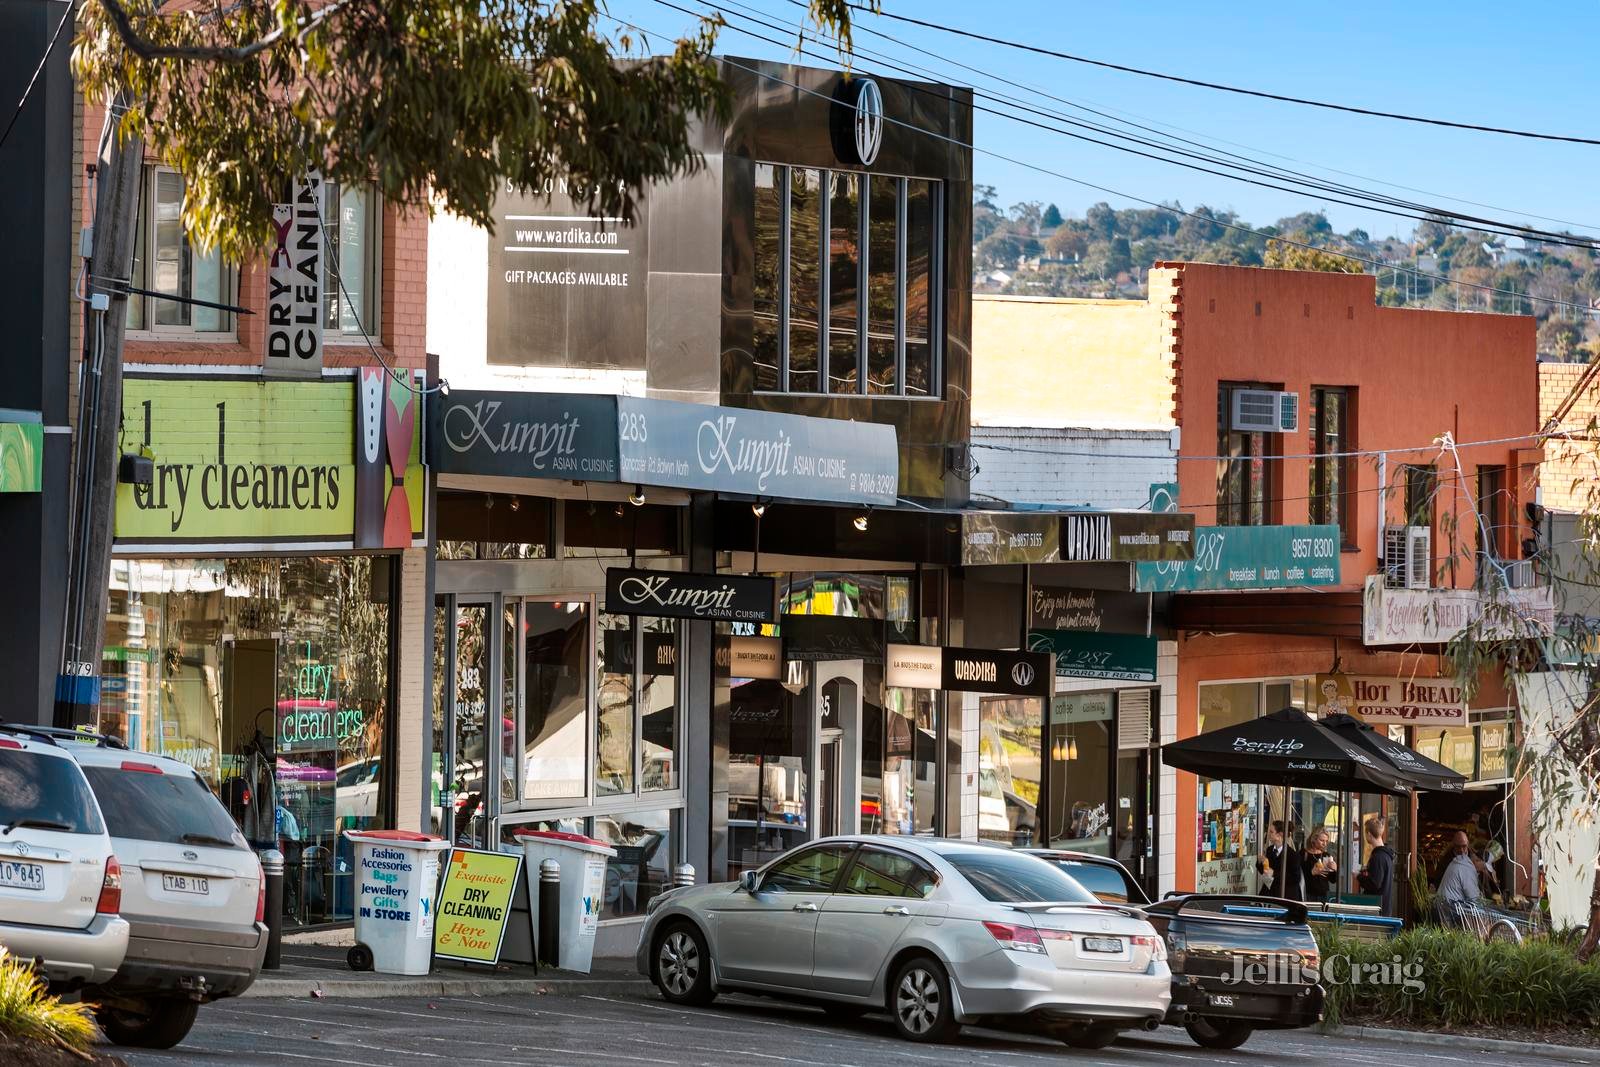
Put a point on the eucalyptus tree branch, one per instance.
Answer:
(149, 50)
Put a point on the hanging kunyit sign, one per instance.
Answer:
(294, 284)
(686, 595)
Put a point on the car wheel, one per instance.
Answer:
(683, 966)
(165, 1022)
(1218, 1033)
(919, 1000)
(1089, 1036)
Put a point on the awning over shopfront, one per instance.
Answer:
(632, 440)
(1422, 772)
(1287, 747)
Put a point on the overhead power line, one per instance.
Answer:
(1267, 176)
(1349, 108)
(1125, 118)
(66, 16)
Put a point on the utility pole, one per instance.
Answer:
(97, 435)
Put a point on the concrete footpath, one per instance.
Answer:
(320, 970)
(1466, 1042)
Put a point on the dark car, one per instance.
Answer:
(1239, 963)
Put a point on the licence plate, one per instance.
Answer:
(186, 883)
(15, 875)
(1222, 1000)
(1102, 944)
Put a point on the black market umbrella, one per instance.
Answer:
(1422, 772)
(1285, 748)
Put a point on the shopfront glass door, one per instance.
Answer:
(836, 689)
(1129, 823)
(467, 766)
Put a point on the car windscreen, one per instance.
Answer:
(1105, 882)
(46, 791)
(171, 808)
(1017, 878)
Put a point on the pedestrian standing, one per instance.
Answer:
(1377, 877)
(1279, 866)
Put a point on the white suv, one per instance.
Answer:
(192, 893)
(59, 881)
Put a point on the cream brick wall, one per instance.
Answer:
(1570, 472)
(1050, 362)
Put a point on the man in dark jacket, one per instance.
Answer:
(1377, 877)
(1279, 866)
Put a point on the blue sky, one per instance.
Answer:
(1528, 67)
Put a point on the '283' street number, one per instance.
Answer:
(634, 427)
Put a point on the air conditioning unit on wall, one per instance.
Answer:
(1408, 557)
(1265, 411)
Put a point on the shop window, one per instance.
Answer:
(1080, 772)
(165, 261)
(846, 282)
(612, 528)
(642, 869)
(352, 241)
(493, 526)
(271, 677)
(1008, 770)
(614, 709)
(1244, 477)
(1331, 487)
(555, 680)
(658, 706)
(768, 769)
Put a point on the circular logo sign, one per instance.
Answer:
(1022, 674)
(858, 121)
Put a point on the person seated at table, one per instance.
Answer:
(1458, 888)
(1320, 869)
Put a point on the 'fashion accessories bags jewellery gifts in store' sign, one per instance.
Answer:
(1248, 557)
(665, 443)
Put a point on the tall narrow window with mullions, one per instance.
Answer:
(844, 283)
(805, 282)
(1243, 477)
(766, 348)
(845, 293)
(1330, 468)
(166, 262)
(1493, 513)
(350, 229)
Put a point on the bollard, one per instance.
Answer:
(682, 875)
(272, 913)
(550, 913)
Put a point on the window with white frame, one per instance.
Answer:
(351, 222)
(166, 262)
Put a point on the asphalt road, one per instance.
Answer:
(734, 1032)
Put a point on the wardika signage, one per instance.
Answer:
(244, 462)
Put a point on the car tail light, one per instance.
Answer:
(1157, 947)
(1016, 938)
(261, 893)
(110, 889)
(135, 765)
(6, 742)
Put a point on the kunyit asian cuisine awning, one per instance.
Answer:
(1422, 772)
(633, 440)
(1288, 748)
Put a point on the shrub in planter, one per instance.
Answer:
(1434, 976)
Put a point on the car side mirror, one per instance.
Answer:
(749, 881)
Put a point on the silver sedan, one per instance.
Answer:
(935, 933)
